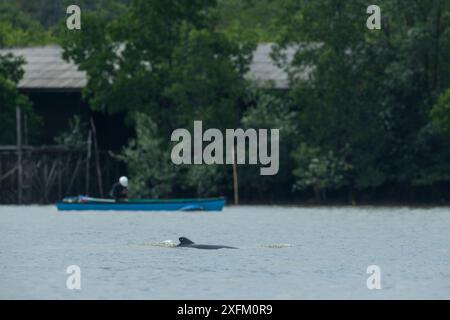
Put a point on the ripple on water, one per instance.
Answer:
(284, 252)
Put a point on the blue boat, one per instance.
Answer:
(83, 203)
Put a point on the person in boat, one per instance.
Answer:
(119, 190)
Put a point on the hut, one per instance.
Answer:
(45, 172)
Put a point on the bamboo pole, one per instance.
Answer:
(19, 156)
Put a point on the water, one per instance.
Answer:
(285, 253)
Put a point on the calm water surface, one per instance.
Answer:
(285, 253)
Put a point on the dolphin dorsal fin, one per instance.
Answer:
(184, 240)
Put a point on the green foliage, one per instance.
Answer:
(17, 28)
(11, 68)
(162, 59)
(10, 74)
(76, 137)
(151, 171)
(205, 180)
(374, 111)
(369, 91)
(206, 79)
(50, 13)
(440, 113)
(250, 20)
(319, 170)
(41, 12)
(432, 145)
(269, 110)
(432, 157)
(41, 22)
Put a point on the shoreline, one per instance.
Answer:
(291, 205)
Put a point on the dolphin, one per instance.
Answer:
(186, 243)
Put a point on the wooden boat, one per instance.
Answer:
(83, 203)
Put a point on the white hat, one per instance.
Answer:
(123, 181)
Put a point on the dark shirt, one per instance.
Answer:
(118, 191)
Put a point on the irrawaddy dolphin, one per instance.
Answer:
(186, 243)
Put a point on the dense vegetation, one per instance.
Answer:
(372, 122)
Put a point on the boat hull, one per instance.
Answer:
(215, 204)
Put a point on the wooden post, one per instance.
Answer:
(88, 161)
(60, 176)
(235, 179)
(108, 170)
(1, 174)
(25, 129)
(97, 159)
(74, 175)
(45, 179)
(19, 156)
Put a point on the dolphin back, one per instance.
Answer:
(210, 246)
(185, 242)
